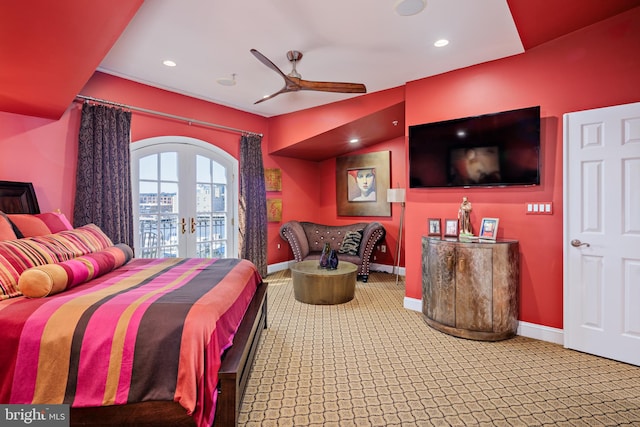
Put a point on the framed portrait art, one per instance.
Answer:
(362, 182)
(489, 229)
(451, 227)
(434, 227)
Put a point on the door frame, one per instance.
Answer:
(214, 152)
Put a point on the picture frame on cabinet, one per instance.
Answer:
(451, 227)
(489, 229)
(434, 227)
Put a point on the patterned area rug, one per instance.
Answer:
(371, 362)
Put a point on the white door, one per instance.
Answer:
(602, 232)
(184, 198)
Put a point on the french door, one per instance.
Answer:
(184, 199)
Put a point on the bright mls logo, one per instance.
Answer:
(34, 415)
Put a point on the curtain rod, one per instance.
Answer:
(166, 115)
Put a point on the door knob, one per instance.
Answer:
(577, 243)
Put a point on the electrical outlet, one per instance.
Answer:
(383, 248)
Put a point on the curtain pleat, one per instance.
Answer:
(103, 180)
(253, 203)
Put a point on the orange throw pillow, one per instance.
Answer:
(29, 225)
(6, 229)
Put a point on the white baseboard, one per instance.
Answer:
(272, 268)
(525, 329)
(413, 304)
(541, 332)
(383, 268)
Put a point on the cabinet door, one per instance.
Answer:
(440, 297)
(474, 288)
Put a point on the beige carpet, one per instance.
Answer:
(370, 362)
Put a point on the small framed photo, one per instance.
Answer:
(488, 229)
(434, 227)
(450, 228)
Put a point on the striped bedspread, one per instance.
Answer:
(153, 329)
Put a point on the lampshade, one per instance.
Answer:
(395, 195)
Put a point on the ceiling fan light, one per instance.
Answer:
(409, 7)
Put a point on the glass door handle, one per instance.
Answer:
(183, 225)
(193, 225)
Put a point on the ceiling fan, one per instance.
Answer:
(293, 81)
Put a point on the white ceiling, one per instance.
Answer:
(359, 41)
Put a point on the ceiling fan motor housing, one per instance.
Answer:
(294, 55)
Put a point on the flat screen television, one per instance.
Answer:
(490, 150)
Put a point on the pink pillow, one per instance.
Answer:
(49, 279)
(56, 221)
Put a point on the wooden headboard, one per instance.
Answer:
(18, 197)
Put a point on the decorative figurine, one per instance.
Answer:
(333, 260)
(324, 256)
(464, 216)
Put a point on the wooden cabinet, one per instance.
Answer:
(470, 289)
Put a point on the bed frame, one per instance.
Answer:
(20, 197)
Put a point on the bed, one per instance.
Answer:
(146, 342)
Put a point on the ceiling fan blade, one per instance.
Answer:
(330, 86)
(265, 98)
(266, 61)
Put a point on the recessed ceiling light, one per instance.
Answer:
(354, 140)
(441, 43)
(409, 7)
(169, 63)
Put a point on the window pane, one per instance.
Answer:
(148, 166)
(203, 198)
(219, 173)
(169, 166)
(203, 169)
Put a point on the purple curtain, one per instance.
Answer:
(253, 203)
(103, 180)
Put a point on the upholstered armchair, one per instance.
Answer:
(308, 238)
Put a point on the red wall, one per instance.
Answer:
(594, 67)
(44, 152)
